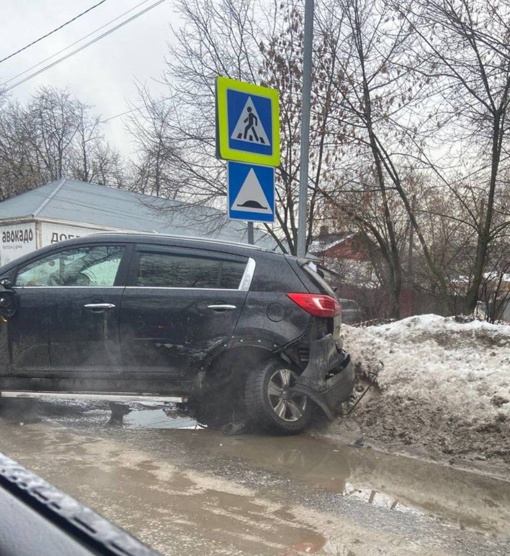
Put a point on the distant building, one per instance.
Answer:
(346, 254)
(67, 208)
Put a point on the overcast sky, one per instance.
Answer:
(101, 75)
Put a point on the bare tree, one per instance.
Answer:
(151, 126)
(408, 126)
(91, 159)
(282, 69)
(375, 93)
(52, 122)
(252, 41)
(464, 48)
(19, 168)
(218, 38)
(53, 136)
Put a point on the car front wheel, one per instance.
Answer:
(270, 402)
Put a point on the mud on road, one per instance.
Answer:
(187, 490)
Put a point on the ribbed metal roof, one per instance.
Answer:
(87, 203)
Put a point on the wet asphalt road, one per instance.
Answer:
(187, 490)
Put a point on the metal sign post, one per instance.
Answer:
(305, 128)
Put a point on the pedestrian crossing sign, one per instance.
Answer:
(247, 122)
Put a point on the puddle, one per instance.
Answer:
(175, 510)
(462, 499)
(398, 484)
(144, 415)
(158, 419)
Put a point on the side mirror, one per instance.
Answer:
(6, 283)
(8, 302)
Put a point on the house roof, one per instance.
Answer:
(326, 241)
(99, 205)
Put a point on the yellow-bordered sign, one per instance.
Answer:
(247, 122)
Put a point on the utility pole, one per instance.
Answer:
(305, 128)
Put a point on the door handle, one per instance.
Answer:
(222, 307)
(99, 306)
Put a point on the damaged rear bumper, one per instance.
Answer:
(328, 379)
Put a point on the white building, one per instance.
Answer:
(67, 208)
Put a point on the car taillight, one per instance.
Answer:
(316, 305)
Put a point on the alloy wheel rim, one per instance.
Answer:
(288, 406)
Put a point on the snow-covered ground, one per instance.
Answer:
(442, 386)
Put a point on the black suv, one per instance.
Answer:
(240, 332)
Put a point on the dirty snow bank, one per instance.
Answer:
(442, 385)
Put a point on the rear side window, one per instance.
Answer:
(168, 270)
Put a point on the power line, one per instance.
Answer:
(119, 115)
(51, 32)
(75, 42)
(84, 46)
(137, 108)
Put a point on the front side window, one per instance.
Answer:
(165, 270)
(81, 266)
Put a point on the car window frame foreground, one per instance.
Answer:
(38, 518)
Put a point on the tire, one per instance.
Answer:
(215, 409)
(211, 415)
(270, 406)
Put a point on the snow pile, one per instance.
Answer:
(439, 381)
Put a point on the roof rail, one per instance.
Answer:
(184, 238)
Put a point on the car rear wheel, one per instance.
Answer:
(270, 402)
